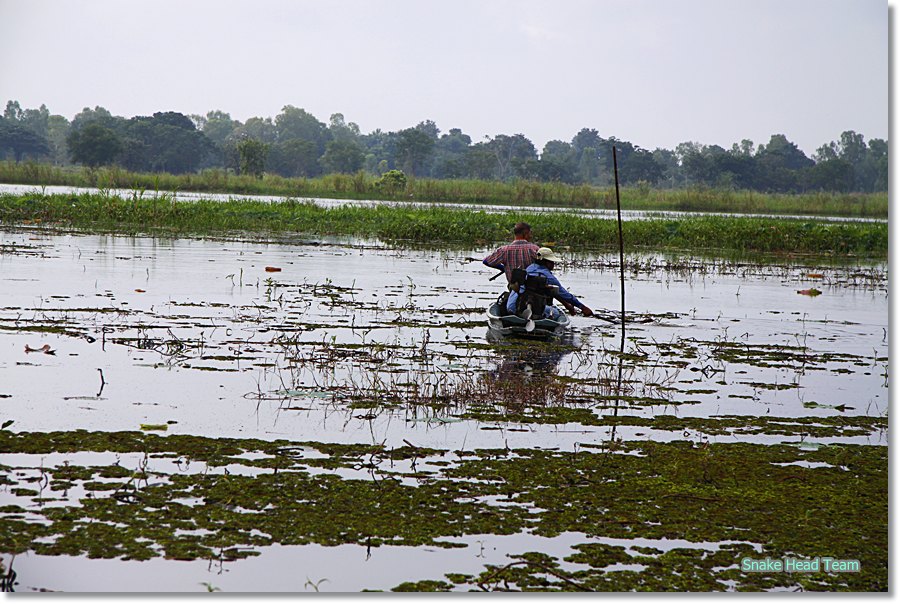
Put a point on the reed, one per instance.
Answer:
(519, 193)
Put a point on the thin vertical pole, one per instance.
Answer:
(621, 244)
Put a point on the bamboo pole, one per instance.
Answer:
(621, 244)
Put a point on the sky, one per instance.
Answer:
(652, 72)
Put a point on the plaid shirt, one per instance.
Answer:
(518, 254)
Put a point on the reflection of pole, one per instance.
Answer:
(612, 434)
(621, 244)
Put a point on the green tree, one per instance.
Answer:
(429, 128)
(20, 141)
(515, 155)
(450, 155)
(640, 166)
(165, 142)
(779, 164)
(253, 155)
(13, 111)
(297, 123)
(833, 174)
(97, 115)
(869, 162)
(380, 149)
(878, 155)
(37, 120)
(341, 130)
(57, 131)
(672, 175)
(93, 145)
(392, 181)
(343, 156)
(217, 126)
(294, 157)
(558, 162)
(414, 148)
(257, 128)
(480, 161)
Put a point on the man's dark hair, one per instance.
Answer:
(521, 228)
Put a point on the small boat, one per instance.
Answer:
(512, 325)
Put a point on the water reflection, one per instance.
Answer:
(8, 578)
(527, 372)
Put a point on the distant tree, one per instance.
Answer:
(783, 153)
(515, 156)
(870, 162)
(257, 128)
(640, 165)
(833, 174)
(878, 155)
(589, 166)
(744, 149)
(295, 123)
(587, 138)
(380, 149)
(698, 162)
(339, 129)
(94, 145)
(414, 147)
(481, 161)
(779, 164)
(450, 155)
(57, 131)
(294, 157)
(672, 175)
(37, 120)
(429, 128)
(735, 169)
(217, 126)
(558, 162)
(165, 142)
(97, 115)
(20, 141)
(253, 156)
(343, 156)
(13, 111)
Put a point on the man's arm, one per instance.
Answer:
(568, 300)
(495, 260)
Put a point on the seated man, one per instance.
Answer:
(518, 254)
(543, 267)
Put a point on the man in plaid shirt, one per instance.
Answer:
(518, 254)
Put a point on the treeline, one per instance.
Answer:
(297, 144)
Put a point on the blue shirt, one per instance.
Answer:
(543, 271)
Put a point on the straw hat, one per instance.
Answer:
(545, 253)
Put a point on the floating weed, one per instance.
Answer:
(741, 496)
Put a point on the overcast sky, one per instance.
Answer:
(653, 72)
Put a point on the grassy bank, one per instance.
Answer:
(441, 225)
(363, 186)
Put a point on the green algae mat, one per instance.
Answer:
(744, 501)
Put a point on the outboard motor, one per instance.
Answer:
(537, 293)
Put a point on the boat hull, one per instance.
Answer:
(511, 325)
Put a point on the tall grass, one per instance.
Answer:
(154, 214)
(520, 193)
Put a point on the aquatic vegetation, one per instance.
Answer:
(441, 224)
(752, 499)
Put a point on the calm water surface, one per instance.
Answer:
(198, 336)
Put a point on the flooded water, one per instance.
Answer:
(335, 416)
